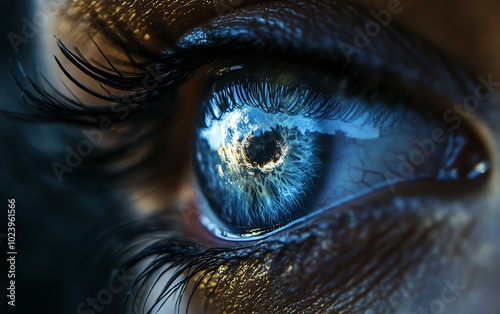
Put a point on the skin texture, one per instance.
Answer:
(422, 249)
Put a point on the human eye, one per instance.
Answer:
(274, 144)
(316, 174)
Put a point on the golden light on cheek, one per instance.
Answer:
(249, 273)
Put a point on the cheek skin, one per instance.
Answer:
(392, 257)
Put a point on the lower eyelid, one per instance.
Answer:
(377, 247)
(415, 124)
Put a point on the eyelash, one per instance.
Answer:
(53, 104)
(318, 105)
(187, 258)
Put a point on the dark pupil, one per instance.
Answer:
(264, 148)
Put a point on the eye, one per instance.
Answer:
(274, 144)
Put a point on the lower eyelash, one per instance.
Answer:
(189, 261)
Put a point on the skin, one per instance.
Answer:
(409, 252)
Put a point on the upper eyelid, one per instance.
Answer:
(274, 29)
(324, 38)
(166, 19)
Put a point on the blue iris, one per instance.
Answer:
(264, 147)
(261, 171)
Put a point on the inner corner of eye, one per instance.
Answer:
(269, 150)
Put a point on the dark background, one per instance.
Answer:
(60, 259)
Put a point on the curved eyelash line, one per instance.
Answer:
(188, 258)
(145, 85)
(310, 103)
(192, 264)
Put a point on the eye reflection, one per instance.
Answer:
(275, 144)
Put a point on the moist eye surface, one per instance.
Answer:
(273, 145)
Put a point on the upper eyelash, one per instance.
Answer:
(165, 72)
(316, 105)
(176, 65)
